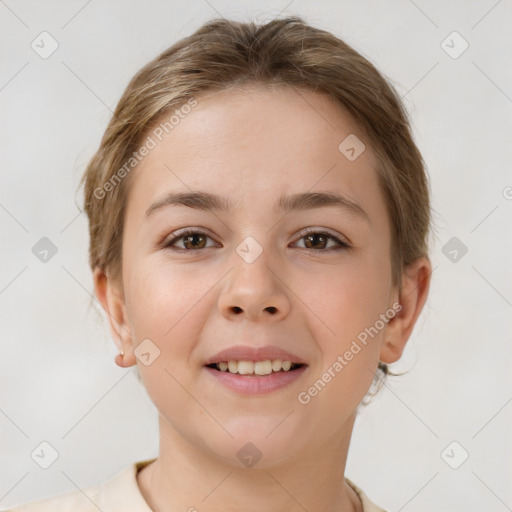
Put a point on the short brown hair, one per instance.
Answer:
(223, 54)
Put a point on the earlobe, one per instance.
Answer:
(112, 301)
(412, 298)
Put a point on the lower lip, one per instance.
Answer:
(256, 384)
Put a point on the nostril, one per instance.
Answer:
(270, 309)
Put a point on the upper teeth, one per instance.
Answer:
(254, 367)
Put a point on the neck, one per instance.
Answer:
(186, 477)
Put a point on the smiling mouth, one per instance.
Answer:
(255, 368)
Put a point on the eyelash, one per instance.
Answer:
(307, 232)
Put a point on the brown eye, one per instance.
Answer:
(318, 240)
(312, 241)
(191, 240)
(195, 241)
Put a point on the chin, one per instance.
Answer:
(262, 442)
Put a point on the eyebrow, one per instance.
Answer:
(304, 201)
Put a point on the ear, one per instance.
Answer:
(412, 298)
(111, 297)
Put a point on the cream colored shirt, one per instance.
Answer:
(121, 494)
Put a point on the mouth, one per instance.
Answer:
(254, 371)
(256, 377)
(256, 368)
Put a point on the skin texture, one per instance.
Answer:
(252, 145)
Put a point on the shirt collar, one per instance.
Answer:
(122, 491)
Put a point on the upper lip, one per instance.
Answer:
(246, 353)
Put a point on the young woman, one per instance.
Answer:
(259, 216)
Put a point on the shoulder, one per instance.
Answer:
(120, 493)
(81, 501)
(368, 505)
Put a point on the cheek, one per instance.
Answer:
(164, 305)
(163, 300)
(346, 297)
(349, 337)
(348, 304)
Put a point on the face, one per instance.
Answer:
(306, 281)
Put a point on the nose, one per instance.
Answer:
(255, 291)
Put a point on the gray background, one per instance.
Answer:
(58, 379)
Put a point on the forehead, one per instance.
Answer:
(255, 143)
